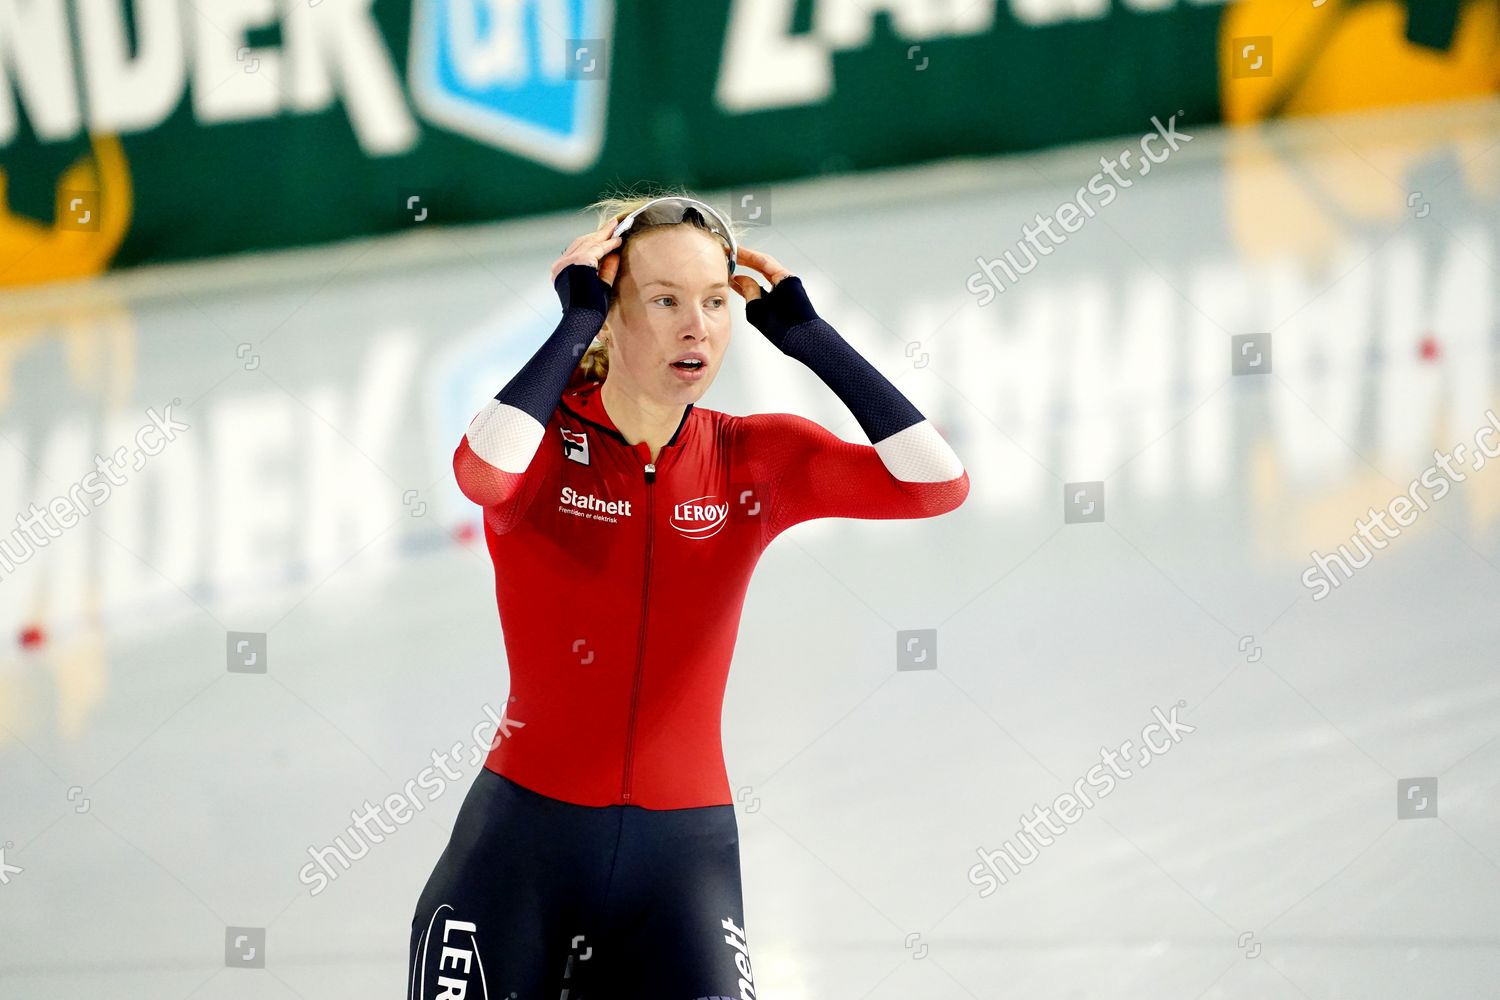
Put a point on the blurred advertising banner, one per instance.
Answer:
(148, 130)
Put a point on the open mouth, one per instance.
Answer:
(691, 365)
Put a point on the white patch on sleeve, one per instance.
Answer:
(505, 436)
(919, 455)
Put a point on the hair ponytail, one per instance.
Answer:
(594, 366)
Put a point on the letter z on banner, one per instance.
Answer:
(528, 76)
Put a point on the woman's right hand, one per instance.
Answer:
(598, 249)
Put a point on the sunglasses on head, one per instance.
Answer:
(671, 210)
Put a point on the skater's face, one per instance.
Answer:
(671, 298)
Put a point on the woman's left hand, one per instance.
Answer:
(747, 286)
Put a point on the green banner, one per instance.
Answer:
(147, 130)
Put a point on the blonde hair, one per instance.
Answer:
(594, 366)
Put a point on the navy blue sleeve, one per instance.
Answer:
(788, 320)
(504, 438)
(539, 384)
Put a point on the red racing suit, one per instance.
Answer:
(620, 581)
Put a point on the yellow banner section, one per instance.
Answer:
(94, 204)
(1305, 57)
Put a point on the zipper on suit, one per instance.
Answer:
(640, 655)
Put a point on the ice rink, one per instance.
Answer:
(283, 613)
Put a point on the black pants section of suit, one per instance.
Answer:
(534, 896)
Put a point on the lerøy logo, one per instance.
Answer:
(698, 518)
(460, 971)
(529, 76)
(575, 445)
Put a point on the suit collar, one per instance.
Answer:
(584, 403)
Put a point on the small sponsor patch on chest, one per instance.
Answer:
(575, 445)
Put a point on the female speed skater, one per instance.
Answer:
(596, 855)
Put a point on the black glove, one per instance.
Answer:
(780, 309)
(579, 286)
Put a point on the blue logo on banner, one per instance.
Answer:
(529, 76)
